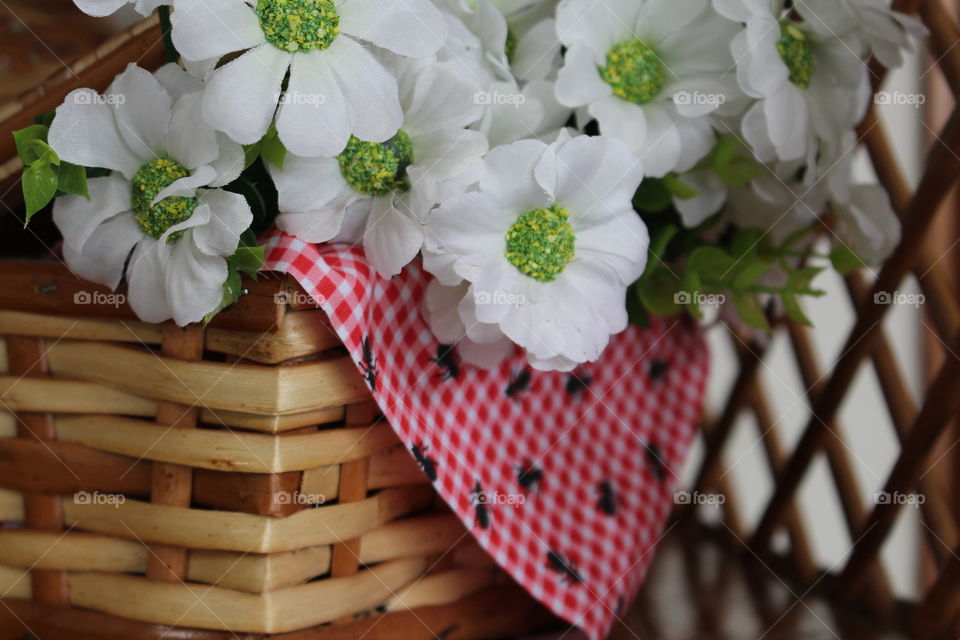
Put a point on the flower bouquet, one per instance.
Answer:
(532, 176)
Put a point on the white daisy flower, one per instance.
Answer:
(548, 244)
(649, 71)
(802, 75)
(102, 8)
(160, 207)
(337, 87)
(451, 314)
(875, 28)
(390, 187)
(502, 39)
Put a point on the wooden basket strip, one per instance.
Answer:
(442, 588)
(27, 357)
(8, 425)
(208, 607)
(391, 468)
(302, 334)
(235, 387)
(15, 582)
(220, 530)
(345, 555)
(420, 536)
(65, 468)
(64, 396)
(172, 484)
(3, 356)
(11, 506)
(72, 396)
(226, 450)
(49, 288)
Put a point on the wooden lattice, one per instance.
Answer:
(921, 428)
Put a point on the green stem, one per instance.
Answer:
(167, 28)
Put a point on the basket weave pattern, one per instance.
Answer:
(233, 478)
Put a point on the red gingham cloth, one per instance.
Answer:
(608, 452)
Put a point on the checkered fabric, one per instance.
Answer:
(566, 480)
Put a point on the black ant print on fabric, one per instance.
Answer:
(427, 464)
(369, 364)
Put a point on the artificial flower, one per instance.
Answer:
(802, 75)
(650, 72)
(337, 87)
(390, 187)
(101, 8)
(160, 217)
(548, 243)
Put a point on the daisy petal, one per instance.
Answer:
(84, 132)
(102, 258)
(191, 141)
(230, 216)
(205, 29)
(597, 177)
(509, 177)
(371, 92)
(77, 218)
(142, 109)
(308, 183)
(412, 28)
(578, 82)
(392, 238)
(241, 96)
(194, 281)
(313, 119)
(147, 292)
(187, 186)
(99, 8)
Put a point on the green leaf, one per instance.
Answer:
(24, 137)
(652, 196)
(746, 241)
(39, 187)
(46, 119)
(659, 293)
(748, 273)
(715, 263)
(749, 308)
(791, 304)
(271, 149)
(250, 154)
(740, 172)
(658, 246)
(249, 260)
(724, 152)
(73, 180)
(678, 188)
(43, 153)
(845, 260)
(800, 280)
(691, 287)
(636, 311)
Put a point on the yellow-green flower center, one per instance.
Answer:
(299, 25)
(794, 49)
(634, 71)
(541, 243)
(377, 168)
(150, 180)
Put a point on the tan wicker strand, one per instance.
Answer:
(226, 450)
(239, 387)
(208, 607)
(27, 357)
(229, 531)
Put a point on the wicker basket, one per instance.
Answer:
(234, 478)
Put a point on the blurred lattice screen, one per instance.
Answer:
(820, 469)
